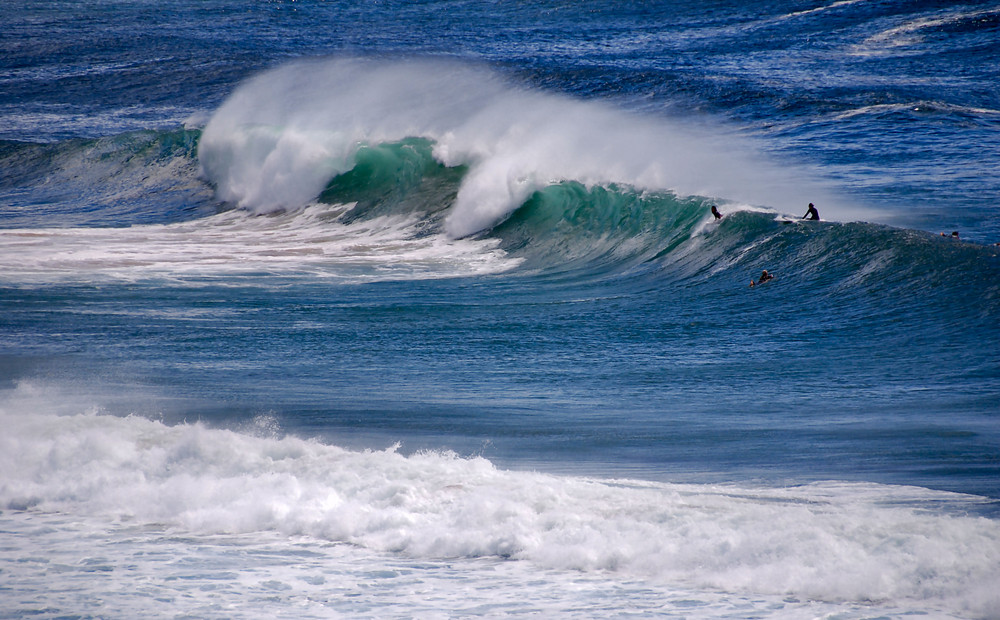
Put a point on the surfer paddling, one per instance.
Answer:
(811, 214)
(764, 277)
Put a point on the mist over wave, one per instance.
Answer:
(282, 136)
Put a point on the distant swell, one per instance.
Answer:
(93, 182)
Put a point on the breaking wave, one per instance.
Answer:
(281, 137)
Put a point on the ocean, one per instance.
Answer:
(419, 309)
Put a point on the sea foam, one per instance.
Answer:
(829, 542)
(309, 241)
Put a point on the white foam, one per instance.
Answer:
(916, 106)
(280, 137)
(826, 7)
(909, 34)
(305, 241)
(56, 566)
(840, 543)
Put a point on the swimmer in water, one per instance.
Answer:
(764, 277)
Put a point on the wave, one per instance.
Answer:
(400, 208)
(820, 9)
(387, 216)
(134, 207)
(563, 224)
(282, 136)
(614, 229)
(830, 541)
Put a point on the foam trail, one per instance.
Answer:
(279, 139)
(308, 241)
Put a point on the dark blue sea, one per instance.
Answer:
(396, 309)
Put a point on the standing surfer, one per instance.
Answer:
(715, 212)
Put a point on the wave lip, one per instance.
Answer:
(282, 136)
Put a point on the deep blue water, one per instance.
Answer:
(481, 231)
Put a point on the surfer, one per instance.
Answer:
(811, 214)
(764, 277)
(715, 212)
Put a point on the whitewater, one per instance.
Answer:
(196, 501)
(420, 310)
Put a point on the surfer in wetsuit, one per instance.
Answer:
(715, 212)
(764, 277)
(811, 214)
